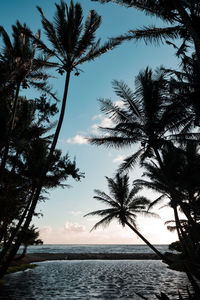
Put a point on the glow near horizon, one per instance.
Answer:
(63, 220)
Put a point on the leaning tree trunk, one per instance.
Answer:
(7, 246)
(163, 257)
(18, 242)
(23, 253)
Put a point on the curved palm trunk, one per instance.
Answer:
(28, 220)
(11, 125)
(165, 259)
(62, 113)
(13, 235)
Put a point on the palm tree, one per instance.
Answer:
(146, 118)
(31, 238)
(73, 43)
(21, 69)
(183, 16)
(124, 205)
(180, 185)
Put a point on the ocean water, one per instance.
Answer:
(94, 279)
(54, 248)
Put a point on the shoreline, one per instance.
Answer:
(39, 257)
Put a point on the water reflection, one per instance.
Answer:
(93, 280)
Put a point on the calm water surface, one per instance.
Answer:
(95, 279)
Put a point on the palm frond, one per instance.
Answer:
(116, 142)
(103, 197)
(116, 113)
(52, 36)
(124, 92)
(104, 222)
(96, 52)
(130, 161)
(159, 200)
(6, 38)
(92, 23)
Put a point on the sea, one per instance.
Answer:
(94, 279)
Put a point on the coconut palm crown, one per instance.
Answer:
(123, 205)
(73, 42)
(146, 117)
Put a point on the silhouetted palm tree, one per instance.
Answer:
(31, 238)
(123, 205)
(180, 184)
(183, 16)
(73, 43)
(21, 69)
(145, 119)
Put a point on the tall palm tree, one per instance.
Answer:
(73, 43)
(123, 205)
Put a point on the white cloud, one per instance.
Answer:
(77, 139)
(119, 159)
(73, 227)
(119, 103)
(103, 122)
(96, 117)
(76, 213)
(45, 230)
(106, 122)
(95, 129)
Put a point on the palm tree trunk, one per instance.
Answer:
(11, 125)
(3, 229)
(14, 233)
(175, 200)
(23, 252)
(61, 118)
(28, 220)
(180, 232)
(165, 259)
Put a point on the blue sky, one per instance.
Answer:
(63, 220)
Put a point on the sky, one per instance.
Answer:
(62, 221)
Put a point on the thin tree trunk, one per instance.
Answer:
(165, 259)
(14, 233)
(62, 113)
(11, 125)
(3, 229)
(180, 232)
(17, 244)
